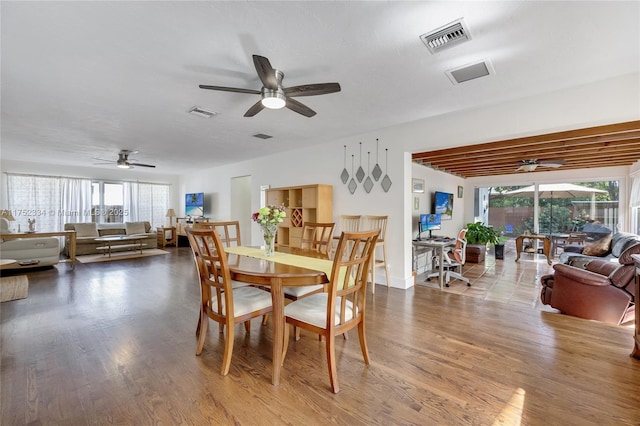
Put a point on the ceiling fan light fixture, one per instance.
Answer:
(123, 166)
(273, 99)
(529, 167)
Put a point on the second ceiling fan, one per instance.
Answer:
(274, 95)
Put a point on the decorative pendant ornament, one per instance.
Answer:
(368, 182)
(386, 180)
(377, 170)
(352, 183)
(345, 174)
(360, 172)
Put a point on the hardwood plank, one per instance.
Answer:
(114, 343)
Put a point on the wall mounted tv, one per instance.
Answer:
(194, 204)
(443, 205)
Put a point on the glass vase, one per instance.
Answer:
(269, 233)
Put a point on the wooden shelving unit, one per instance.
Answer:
(307, 203)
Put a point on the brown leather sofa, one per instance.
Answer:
(602, 291)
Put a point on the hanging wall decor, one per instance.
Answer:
(352, 183)
(368, 182)
(345, 174)
(377, 170)
(360, 172)
(386, 180)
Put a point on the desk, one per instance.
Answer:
(546, 241)
(439, 247)
(276, 276)
(70, 235)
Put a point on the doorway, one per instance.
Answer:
(241, 205)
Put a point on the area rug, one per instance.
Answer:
(13, 288)
(93, 258)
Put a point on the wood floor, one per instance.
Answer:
(114, 343)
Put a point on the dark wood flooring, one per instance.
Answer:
(113, 343)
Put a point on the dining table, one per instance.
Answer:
(288, 267)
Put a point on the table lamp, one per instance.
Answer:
(170, 214)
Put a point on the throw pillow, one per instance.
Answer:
(86, 230)
(135, 228)
(598, 248)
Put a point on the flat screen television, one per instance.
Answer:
(443, 205)
(194, 204)
(430, 222)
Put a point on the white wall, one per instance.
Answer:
(610, 101)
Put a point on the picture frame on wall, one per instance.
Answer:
(460, 191)
(417, 185)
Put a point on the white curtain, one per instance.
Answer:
(634, 199)
(75, 201)
(146, 201)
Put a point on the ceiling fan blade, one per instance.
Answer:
(256, 108)
(266, 72)
(300, 108)
(230, 89)
(312, 89)
(141, 165)
(553, 163)
(102, 159)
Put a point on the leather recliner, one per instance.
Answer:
(603, 291)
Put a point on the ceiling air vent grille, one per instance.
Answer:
(447, 36)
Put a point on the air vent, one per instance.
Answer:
(262, 136)
(444, 37)
(470, 72)
(201, 112)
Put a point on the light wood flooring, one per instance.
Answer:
(114, 343)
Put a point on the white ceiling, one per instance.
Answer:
(86, 79)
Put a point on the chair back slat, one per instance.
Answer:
(378, 222)
(213, 270)
(349, 273)
(317, 236)
(229, 231)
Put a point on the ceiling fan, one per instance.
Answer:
(531, 165)
(274, 95)
(123, 160)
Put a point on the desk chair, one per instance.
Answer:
(455, 259)
(378, 222)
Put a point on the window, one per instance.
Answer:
(107, 202)
(562, 207)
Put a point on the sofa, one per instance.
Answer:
(28, 252)
(86, 234)
(595, 287)
(613, 248)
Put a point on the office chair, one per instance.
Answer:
(455, 258)
(453, 261)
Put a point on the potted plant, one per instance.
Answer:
(478, 233)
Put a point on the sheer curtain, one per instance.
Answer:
(146, 201)
(51, 201)
(634, 202)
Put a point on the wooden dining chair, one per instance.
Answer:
(219, 300)
(317, 236)
(348, 223)
(229, 231)
(342, 307)
(380, 223)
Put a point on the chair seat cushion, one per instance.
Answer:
(313, 309)
(246, 300)
(300, 291)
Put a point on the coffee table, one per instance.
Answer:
(121, 241)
